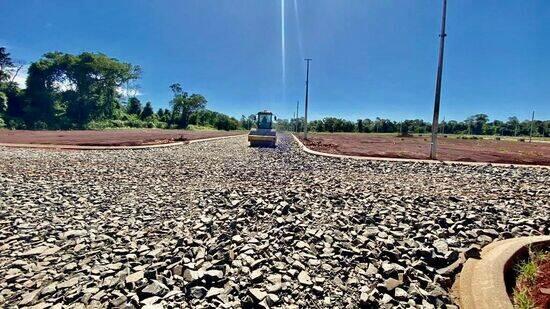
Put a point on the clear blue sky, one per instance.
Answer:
(370, 58)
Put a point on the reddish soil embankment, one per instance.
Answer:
(541, 289)
(123, 137)
(449, 149)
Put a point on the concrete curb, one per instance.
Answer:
(481, 283)
(324, 154)
(77, 147)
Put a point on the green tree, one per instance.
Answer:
(6, 63)
(75, 88)
(134, 106)
(3, 102)
(476, 123)
(360, 125)
(147, 111)
(183, 105)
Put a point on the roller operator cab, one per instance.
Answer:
(264, 134)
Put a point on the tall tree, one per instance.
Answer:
(183, 105)
(134, 106)
(6, 63)
(147, 111)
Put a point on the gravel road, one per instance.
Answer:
(218, 224)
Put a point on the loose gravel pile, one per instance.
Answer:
(218, 224)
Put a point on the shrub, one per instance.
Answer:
(136, 123)
(39, 125)
(16, 124)
(116, 124)
(161, 125)
(2, 123)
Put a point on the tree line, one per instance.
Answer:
(478, 124)
(94, 91)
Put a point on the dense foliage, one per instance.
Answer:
(93, 91)
(476, 125)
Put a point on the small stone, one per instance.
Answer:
(29, 298)
(155, 289)
(441, 246)
(400, 293)
(392, 283)
(197, 292)
(257, 294)
(35, 251)
(472, 252)
(304, 278)
(135, 277)
(214, 292)
(74, 233)
(386, 299)
(119, 301)
(68, 284)
(192, 275)
(256, 275)
(49, 289)
(371, 270)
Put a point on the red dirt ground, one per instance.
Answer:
(123, 137)
(449, 149)
(541, 290)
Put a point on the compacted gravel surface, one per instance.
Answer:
(219, 224)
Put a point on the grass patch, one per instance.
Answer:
(522, 300)
(527, 271)
(524, 295)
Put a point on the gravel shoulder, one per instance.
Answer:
(219, 224)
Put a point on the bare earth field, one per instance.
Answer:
(122, 137)
(450, 148)
(221, 225)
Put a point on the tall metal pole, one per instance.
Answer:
(433, 148)
(307, 90)
(531, 130)
(297, 117)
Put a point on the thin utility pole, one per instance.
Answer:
(443, 126)
(307, 92)
(433, 148)
(531, 130)
(297, 117)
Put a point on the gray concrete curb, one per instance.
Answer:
(77, 147)
(481, 283)
(324, 154)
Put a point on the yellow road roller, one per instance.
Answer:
(263, 135)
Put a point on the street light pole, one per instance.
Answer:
(307, 92)
(433, 148)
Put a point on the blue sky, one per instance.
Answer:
(370, 57)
